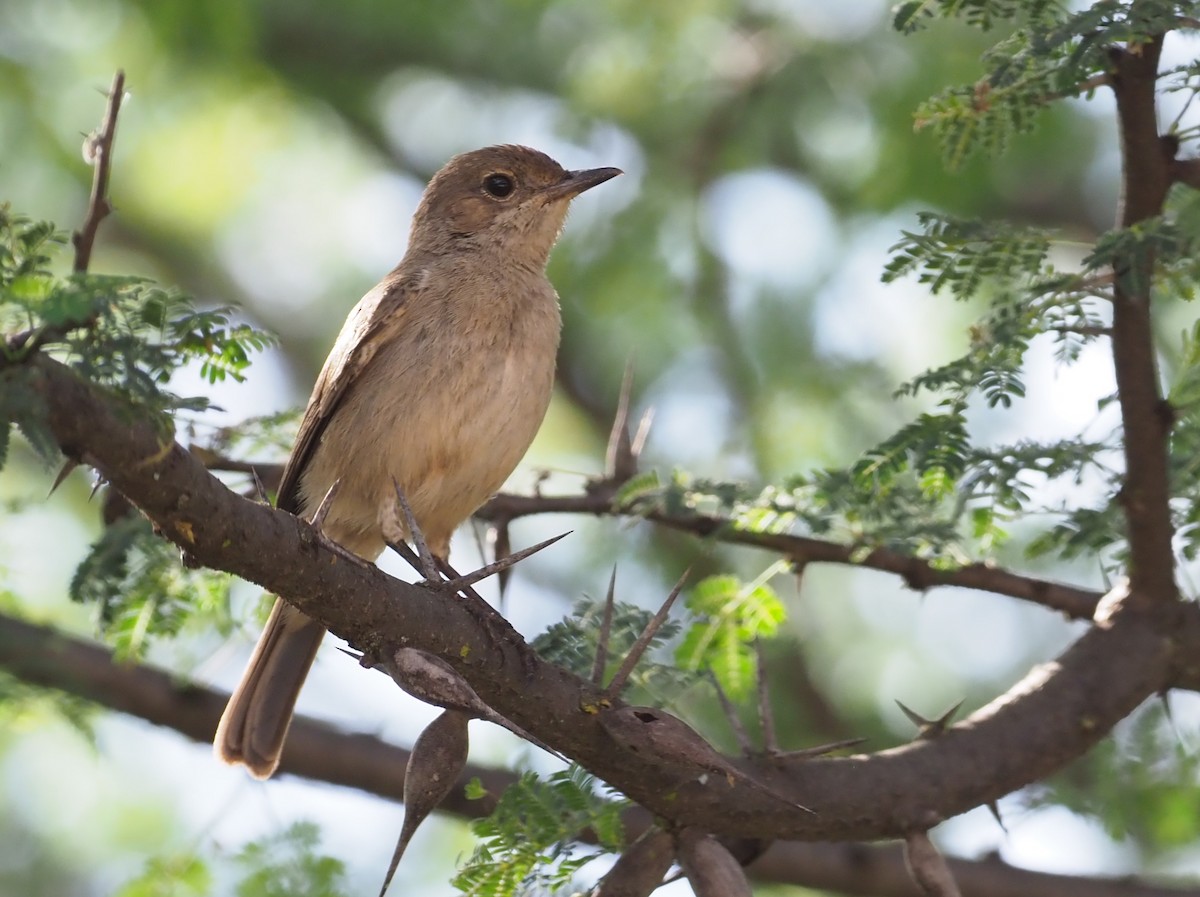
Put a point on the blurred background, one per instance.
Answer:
(270, 154)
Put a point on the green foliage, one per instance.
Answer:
(731, 616)
(527, 845)
(288, 865)
(1142, 783)
(140, 590)
(177, 875)
(121, 333)
(1053, 51)
(20, 702)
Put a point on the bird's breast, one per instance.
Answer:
(447, 409)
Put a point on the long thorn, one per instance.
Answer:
(502, 546)
(429, 568)
(643, 641)
(469, 579)
(260, 489)
(619, 459)
(67, 470)
(318, 518)
(735, 722)
(819, 750)
(601, 659)
(642, 433)
(409, 556)
(766, 717)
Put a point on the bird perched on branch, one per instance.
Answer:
(438, 382)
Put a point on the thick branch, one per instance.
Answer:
(1056, 714)
(45, 657)
(856, 869)
(1145, 416)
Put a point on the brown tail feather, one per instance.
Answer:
(256, 720)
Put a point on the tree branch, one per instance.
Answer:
(1146, 418)
(98, 151)
(857, 869)
(1054, 715)
(599, 500)
(45, 657)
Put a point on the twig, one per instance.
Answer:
(731, 714)
(98, 151)
(1075, 602)
(98, 147)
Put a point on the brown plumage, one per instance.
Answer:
(439, 379)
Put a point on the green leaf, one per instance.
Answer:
(732, 615)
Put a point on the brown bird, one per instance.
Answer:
(438, 381)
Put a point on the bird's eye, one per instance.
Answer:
(498, 185)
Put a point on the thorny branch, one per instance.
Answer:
(98, 151)
(599, 499)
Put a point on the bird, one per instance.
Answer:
(437, 383)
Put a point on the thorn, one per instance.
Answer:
(929, 728)
(643, 640)
(96, 487)
(735, 722)
(601, 660)
(994, 808)
(469, 579)
(67, 469)
(495, 623)
(642, 433)
(259, 489)
(318, 517)
(766, 718)
(619, 459)
(409, 556)
(819, 750)
(428, 568)
(502, 546)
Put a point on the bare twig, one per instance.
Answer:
(1145, 416)
(731, 714)
(98, 152)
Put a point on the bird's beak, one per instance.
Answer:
(577, 181)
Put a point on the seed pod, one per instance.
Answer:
(436, 762)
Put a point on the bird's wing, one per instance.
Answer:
(378, 316)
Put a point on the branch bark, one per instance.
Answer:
(1054, 715)
(43, 656)
(1146, 418)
